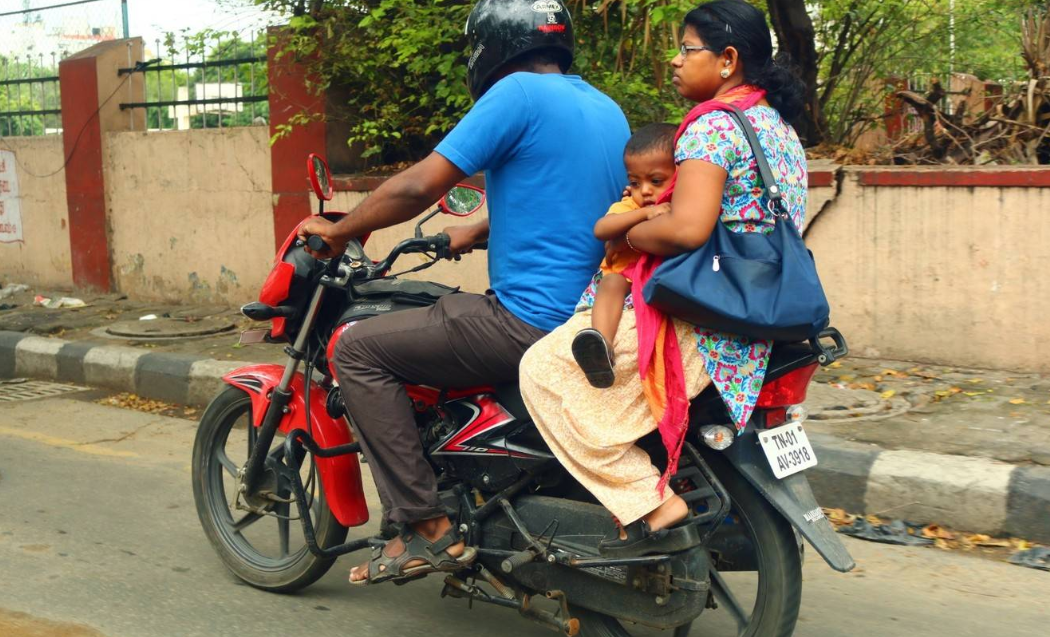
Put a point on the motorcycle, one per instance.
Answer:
(276, 446)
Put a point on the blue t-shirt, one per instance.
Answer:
(551, 147)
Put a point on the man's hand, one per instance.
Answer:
(326, 230)
(463, 238)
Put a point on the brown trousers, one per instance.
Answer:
(463, 341)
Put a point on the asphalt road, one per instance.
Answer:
(99, 536)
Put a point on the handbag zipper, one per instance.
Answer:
(714, 263)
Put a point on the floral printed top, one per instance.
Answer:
(737, 364)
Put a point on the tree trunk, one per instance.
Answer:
(796, 37)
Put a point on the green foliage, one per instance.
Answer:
(399, 64)
(27, 97)
(867, 48)
(208, 45)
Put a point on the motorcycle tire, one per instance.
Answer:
(296, 570)
(779, 593)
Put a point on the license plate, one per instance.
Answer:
(250, 337)
(787, 449)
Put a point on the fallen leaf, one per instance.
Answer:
(980, 539)
(974, 380)
(941, 544)
(847, 377)
(937, 532)
(835, 365)
(889, 393)
(1017, 401)
(878, 379)
(973, 393)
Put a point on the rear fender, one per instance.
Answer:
(341, 475)
(792, 497)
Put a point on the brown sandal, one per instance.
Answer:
(384, 568)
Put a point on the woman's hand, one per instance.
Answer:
(652, 212)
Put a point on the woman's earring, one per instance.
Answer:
(725, 74)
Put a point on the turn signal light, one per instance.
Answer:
(718, 437)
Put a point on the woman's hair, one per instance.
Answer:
(725, 23)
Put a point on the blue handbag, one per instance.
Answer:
(763, 286)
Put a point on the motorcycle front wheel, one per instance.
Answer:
(762, 603)
(267, 551)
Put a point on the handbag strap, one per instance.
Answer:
(769, 184)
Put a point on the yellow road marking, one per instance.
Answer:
(53, 441)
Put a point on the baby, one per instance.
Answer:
(649, 158)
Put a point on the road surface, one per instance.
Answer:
(99, 537)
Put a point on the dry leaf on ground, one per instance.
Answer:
(937, 532)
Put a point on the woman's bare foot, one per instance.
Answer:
(671, 512)
(432, 530)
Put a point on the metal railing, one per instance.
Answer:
(30, 98)
(225, 86)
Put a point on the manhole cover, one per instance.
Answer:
(169, 328)
(11, 391)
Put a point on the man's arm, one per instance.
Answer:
(399, 199)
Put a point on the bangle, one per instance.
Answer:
(627, 238)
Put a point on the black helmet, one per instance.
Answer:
(500, 30)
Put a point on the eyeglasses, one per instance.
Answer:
(685, 49)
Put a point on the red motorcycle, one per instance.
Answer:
(276, 447)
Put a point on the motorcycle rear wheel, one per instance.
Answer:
(246, 551)
(779, 589)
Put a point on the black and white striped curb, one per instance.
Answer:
(174, 378)
(972, 494)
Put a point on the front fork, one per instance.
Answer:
(253, 471)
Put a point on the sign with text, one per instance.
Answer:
(10, 208)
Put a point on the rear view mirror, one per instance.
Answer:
(462, 201)
(320, 176)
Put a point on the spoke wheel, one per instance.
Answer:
(758, 603)
(267, 550)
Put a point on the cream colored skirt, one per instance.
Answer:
(593, 431)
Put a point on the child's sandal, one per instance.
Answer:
(593, 356)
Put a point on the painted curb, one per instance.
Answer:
(174, 378)
(972, 494)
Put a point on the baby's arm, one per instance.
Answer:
(612, 227)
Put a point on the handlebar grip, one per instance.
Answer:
(484, 245)
(317, 244)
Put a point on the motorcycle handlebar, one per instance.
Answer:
(316, 243)
(437, 244)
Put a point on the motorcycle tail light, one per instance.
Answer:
(788, 390)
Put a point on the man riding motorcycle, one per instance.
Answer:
(551, 147)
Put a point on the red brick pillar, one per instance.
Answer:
(289, 96)
(92, 91)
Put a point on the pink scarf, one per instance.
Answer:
(659, 357)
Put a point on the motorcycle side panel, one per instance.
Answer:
(340, 475)
(792, 497)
